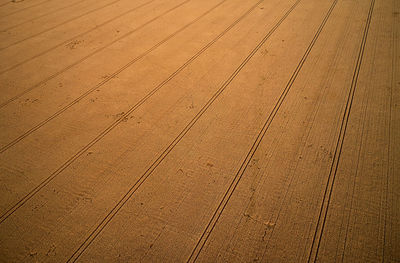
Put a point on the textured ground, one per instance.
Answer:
(200, 130)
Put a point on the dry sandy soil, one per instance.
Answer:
(200, 130)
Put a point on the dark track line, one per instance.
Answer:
(66, 42)
(155, 164)
(28, 196)
(89, 91)
(43, 15)
(23, 9)
(229, 192)
(88, 56)
(60, 24)
(319, 229)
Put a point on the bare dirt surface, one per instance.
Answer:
(200, 130)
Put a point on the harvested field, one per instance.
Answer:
(200, 131)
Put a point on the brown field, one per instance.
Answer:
(200, 130)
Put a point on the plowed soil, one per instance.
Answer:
(200, 130)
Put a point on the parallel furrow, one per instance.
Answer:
(66, 42)
(43, 15)
(60, 24)
(339, 145)
(229, 192)
(110, 77)
(155, 164)
(88, 56)
(122, 117)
